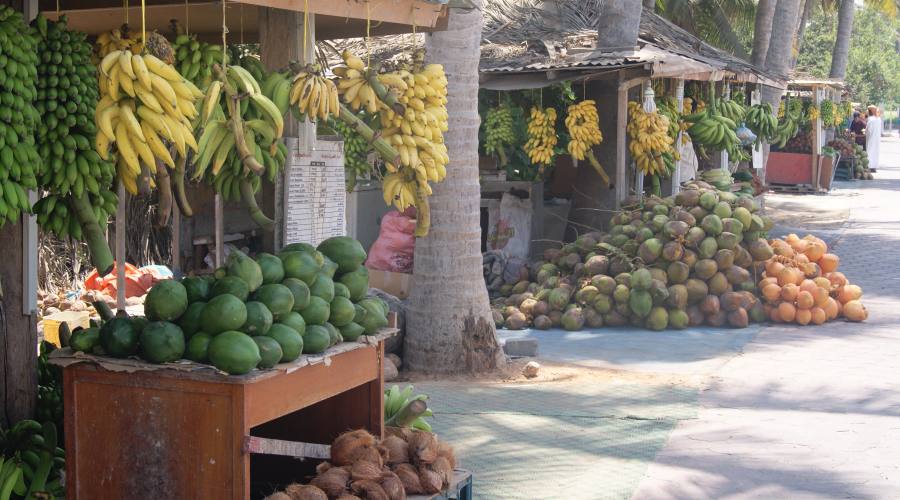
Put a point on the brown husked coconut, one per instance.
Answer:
(409, 476)
(403, 433)
(365, 471)
(442, 466)
(279, 495)
(392, 485)
(370, 490)
(347, 496)
(446, 450)
(423, 447)
(350, 446)
(305, 492)
(333, 481)
(398, 450)
(431, 480)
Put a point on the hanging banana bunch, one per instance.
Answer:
(812, 113)
(314, 96)
(117, 39)
(19, 160)
(541, 136)
(144, 103)
(241, 137)
(650, 143)
(356, 153)
(194, 58)
(498, 132)
(731, 109)
(710, 128)
(583, 124)
(826, 110)
(761, 120)
(76, 182)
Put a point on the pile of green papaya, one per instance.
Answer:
(252, 313)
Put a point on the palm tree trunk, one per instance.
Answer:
(781, 43)
(449, 325)
(840, 56)
(762, 31)
(621, 24)
(801, 29)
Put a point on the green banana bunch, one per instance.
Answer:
(240, 139)
(194, 59)
(761, 120)
(395, 400)
(66, 99)
(499, 132)
(50, 402)
(37, 455)
(713, 130)
(787, 128)
(356, 153)
(12, 479)
(731, 109)
(19, 159)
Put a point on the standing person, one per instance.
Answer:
(858, 128)
(873, 137)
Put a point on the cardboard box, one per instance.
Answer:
(396, 284)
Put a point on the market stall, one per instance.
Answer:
(815, 110)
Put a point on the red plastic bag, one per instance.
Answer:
(393, 250)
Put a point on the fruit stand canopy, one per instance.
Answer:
(334, 18)
(533, 43)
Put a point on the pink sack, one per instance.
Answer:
(394, 248)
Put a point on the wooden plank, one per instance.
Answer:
(269, 446)
(265, 399)
(411, 12)
(621, 138)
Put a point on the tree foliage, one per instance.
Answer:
(873, 73)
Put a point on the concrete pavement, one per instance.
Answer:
(807, 412)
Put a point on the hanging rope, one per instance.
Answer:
(125, 6)
(144, 20)
(187, 18)
(57, 9)
(242, 24)
(305, 25)
(224, 38)
(368, 34)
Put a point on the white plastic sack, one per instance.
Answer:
(512, 232)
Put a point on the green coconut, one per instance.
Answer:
(732, 225)
(658, 222)
(694, 236)
(597, 264)
(659, 292)
(743, 215)
(604, 284)
(640, 302)
(707, 248)
(587, 294)
(573, 319)
(699, 213)
(641, 279)
(727, 240)
(711, 224)
(760, 250)
(708, 200)
(542, 322)
(650, 250)
(686, 217)
(688, 198)
(672, 251)
(602, 304)
(736, 275)
(697, 290)
(658, 319)
(742, 257)
(724, 258)
(624, 279)
(643, 234)
(659, 273)
(621, 294)
(678, 297)
(558, 299)
(718, 284)
(678, 319)
(722, 209)
(678, 272)
(689, 258)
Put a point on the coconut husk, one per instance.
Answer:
(374, 455)
(349, 446)
(365, 471)
(370, 490)
(278, 495)
(423, 447)
(333, 481)
(393, 486)
(409, 476)
(347, 496)
(431, 480)
(305, 492)
(442, 466)
(322, 467)
(397, 448)
(403, 433)
(446, 450)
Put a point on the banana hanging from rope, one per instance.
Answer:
(650, 144)
(499, 132)
(314, 96)
(583, 124)
(541, 136)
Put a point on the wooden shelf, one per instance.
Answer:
(334, 18)
(137, 430)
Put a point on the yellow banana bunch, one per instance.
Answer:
(687, 106)
(117, 40)
(354, 86)
(145, 104)
(650, 143)
(583, 124)
(314, 96)
(813, 112)
(541, 136)
(399, 190)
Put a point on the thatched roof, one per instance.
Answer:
(529, 38)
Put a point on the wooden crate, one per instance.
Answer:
(136, 430)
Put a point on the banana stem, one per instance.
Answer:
(384, 94)
(409, 412)
(255, 212)
(164, 187)
(180, 194)
(657, 188)
(384, 150)
(237, 124)
(598, 167)
(101, 255)
(502, 154)
(144, 180)
(423, 213)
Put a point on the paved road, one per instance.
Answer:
(803, 412)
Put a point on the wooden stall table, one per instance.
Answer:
(138, 430)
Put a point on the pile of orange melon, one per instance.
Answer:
(801, 284)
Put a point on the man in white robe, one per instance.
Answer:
(873, 137)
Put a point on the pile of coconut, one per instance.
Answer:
(406, 462)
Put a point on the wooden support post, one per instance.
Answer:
(757, 154)
(120, 249)
(176, 240)
(219, 228)
(676, 175)
(818, 136)
(281, 39)
(621, 141)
